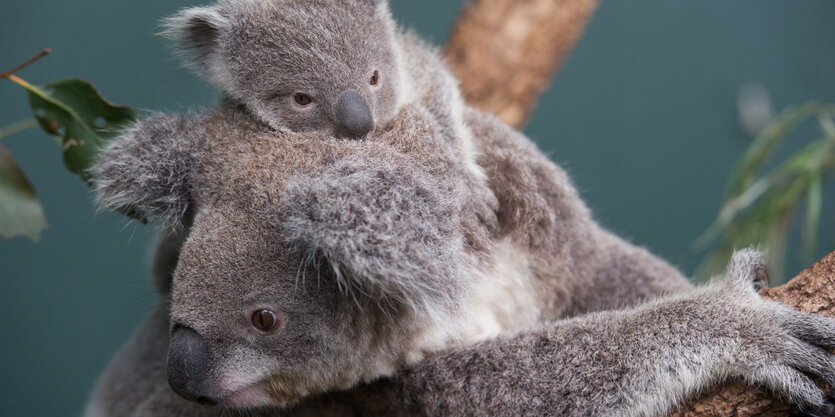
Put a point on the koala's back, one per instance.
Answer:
(578, 265)
(540, 228)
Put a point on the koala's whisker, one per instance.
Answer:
(139, 301)
(299, 273)
(318, 262)
(384, 304)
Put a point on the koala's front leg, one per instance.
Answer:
(639, 362)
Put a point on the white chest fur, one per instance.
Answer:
(502, 301)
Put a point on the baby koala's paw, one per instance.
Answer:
(411, 129)
(780, 348)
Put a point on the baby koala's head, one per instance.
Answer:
(327, 66)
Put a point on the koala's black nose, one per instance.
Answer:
(189, 367)
(353, 117)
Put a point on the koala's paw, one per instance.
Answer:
(781, 348)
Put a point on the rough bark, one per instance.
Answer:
(813, 291)
(505, 52)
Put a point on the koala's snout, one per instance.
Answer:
(189, 367)
(353, 116)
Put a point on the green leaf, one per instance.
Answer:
(766, 143)
(21, 213)
(74, 111)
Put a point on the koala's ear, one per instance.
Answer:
(196, 32)
(386, 231)
(748, 269)
(146, 170)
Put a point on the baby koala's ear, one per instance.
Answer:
(145, 170)
(386, 230)
(196, 32)
(376, 5)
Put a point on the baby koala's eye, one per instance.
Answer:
(264, 320)
(375, 78)
(303, 99)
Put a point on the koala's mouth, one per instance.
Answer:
(250, 396)
(270, 392)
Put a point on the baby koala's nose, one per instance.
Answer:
(353, 117)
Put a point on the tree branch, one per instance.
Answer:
(505, 52)
(28, 62)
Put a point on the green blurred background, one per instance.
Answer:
(644, 115)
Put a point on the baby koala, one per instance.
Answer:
(336, 67)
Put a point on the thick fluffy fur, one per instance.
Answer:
(365, 239)
(642, 361)
(261, 53)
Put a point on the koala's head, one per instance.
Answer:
(326, 66)
(311, 265)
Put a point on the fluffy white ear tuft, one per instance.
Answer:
(196, 32)
(388, 232)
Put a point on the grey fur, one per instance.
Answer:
(161, 187)
(644, 361)
(262, 52)
(402, 239)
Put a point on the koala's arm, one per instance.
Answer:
(540, 210)
(639, 362)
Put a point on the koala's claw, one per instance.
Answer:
(799, 356)
(812, 329)
(827, 410)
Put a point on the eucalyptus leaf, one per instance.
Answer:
(765, 144)
(73, 110)
(760, 205)
(21, 213)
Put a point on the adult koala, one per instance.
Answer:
(314, 266)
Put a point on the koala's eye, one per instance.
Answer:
(303, 99)
(264, 320)
(375, 78)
